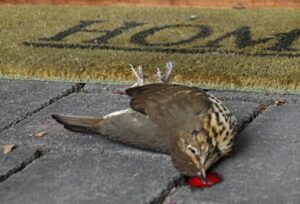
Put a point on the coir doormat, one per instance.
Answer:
(223, 48)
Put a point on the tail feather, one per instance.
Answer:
(79, 123)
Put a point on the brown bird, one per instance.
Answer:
(196, 129)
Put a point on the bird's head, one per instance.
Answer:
(193, 153)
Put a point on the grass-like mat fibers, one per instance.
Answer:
(223, 48)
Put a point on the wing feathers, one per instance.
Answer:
(168, 104)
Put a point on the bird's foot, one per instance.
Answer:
(165, 77)
(140, 78)
(139, 74)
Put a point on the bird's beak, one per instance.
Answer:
(202, 174)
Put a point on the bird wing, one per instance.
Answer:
(169, 105)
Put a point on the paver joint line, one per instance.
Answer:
(174, 184)
(251, 119)
(21, 166)
(74, 89)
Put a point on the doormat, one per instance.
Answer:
(240, 49)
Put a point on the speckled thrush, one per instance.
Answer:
(195, 128)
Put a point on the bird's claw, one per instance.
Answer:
(165, 78)
(139, 74)
(162, 77)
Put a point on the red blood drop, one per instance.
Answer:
(212, 179)
(120, 92)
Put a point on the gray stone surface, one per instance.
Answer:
(86, 168)
(94, 176)
(18, 98)
(15, 160)
(263, 169)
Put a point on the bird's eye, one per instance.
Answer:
(193, 150)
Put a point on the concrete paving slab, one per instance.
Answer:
(264, 167)
(90, 177)
(19, 98)
(89, 156)
(15, 160)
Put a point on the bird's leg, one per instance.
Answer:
(139, 74)
(140, 78)
(165, 78)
